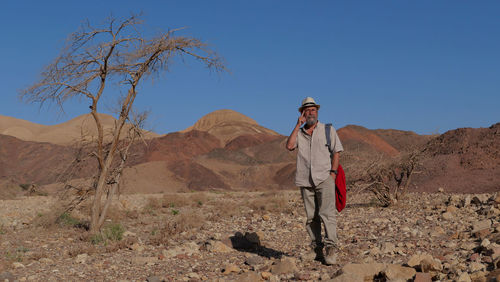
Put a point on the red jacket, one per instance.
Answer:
(340, 189)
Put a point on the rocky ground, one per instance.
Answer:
(227, 236)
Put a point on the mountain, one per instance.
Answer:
(227, 150)
(228, 124)
(465, 160)
(65, 133)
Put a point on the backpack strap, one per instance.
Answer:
(328, 128)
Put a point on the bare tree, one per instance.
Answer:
(96, 56)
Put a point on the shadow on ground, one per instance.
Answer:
(250, 242)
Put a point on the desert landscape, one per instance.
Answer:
(217, 202)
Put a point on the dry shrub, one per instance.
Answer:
(185, 221)
(58, 216)
(271, 202)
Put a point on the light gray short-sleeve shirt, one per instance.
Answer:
(313, 158)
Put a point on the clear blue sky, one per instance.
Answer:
(427, 66)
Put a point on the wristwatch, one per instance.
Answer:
(334, 171)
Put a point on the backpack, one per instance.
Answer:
(340, 186)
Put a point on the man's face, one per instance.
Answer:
(311, 115)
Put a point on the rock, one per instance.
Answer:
(388, 248)
(348, 277)
(218, 247)
(495, 252)
(254, 261)
(451, 209)
(441, 190)
(427, 265)
(137, 247)
(464, 277)
(7, 276)
(144, 260)
(18, 265)
(467, 201)
(266, 275)
(266, 217)
(128, 233)
(481, 234)
(284, 266)
(481, 225)
(454, 200)
(395, 272)
(416, 259)
(366, 271)
(425, 262)
(497, 199)
(81, 258)
(231, 268)
(479, 276)
(154, 279)
(46, 261)
(253, 238)
(447, 215)
(250, 276)
(485, 243)
(422, 277)
(187, 249)
(476, 266)
(475, 257)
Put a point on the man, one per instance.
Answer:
(316, 172)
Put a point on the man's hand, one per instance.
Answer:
(333, 175)
(302, 119)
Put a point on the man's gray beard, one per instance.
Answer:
(311, 121)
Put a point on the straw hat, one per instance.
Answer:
(308, 102)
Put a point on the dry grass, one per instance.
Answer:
(182, 223)
(272, 202)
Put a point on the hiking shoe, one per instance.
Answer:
(330, 255)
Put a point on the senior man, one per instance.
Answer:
(316, 171)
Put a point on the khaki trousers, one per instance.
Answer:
(319, 203)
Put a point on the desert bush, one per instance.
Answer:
(58, 216)
(111, 232)
(16, 255)
(65, 219)
(185, 221)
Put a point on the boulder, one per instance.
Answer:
(396, 272)
(366, 271)
(284, 266)
(481, 225)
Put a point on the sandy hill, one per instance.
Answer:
(63, 134)
(228, 124)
